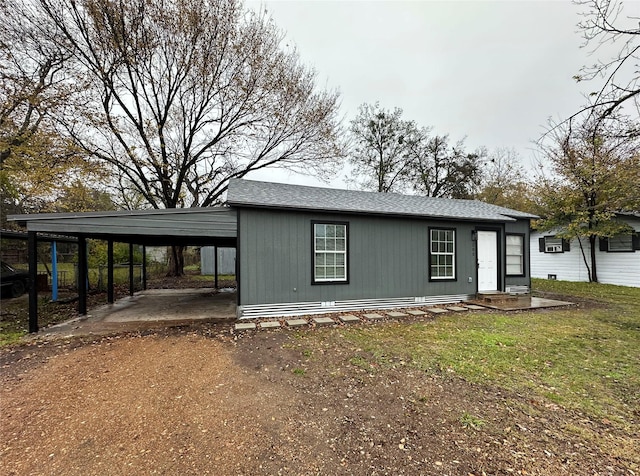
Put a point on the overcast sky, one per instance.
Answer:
(494, 72)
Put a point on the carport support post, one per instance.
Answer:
(54, 271)
(32, 245)
(82, 275)
(144, 267)
(215, 266)
(110, 271)
(130, 269)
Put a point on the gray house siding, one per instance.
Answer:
(387, 257)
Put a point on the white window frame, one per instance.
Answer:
(510, 254)
(322, 255)
(439, 253)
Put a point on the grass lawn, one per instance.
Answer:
(584, 358)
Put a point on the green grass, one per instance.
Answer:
(583, 359)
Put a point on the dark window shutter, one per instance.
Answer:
(566, 245)
(541, 244)
(604, 244)
(636, 241)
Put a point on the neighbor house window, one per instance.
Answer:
(620, 243)
(553, 244)
(515, 255)
(329, 252)
(442, 254)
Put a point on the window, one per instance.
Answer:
(552, 244)
(620, 243)
(329, 252)
(515, 255)
(442, 254)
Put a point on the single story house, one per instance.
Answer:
(303, 249)
(309, 250)
(617, 258)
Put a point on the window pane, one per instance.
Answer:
(621, 243)
(330, 257)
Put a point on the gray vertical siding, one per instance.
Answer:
(388, 257)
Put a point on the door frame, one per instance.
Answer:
(499, 253)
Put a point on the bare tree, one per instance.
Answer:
(606, 27)
(504, 182)
(382, 142)
(192, 93)
(439, 169)
(187, 94)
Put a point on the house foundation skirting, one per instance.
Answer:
(255, 311)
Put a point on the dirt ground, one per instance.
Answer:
(200, 400)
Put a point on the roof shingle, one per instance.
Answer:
(252, 193)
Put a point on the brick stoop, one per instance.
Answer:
(496, 297)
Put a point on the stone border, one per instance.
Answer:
(354, 317)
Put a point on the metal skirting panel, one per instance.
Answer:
(517, 289)
(317, 307)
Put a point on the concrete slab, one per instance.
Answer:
(323, 321)
(474, 307)
(396, 314)
(245, 326)
(527, 302)
(436, 310)
(296, 322)
(270, 325)
(415, 312)
(457, 308)
(169, 305)
(373, 316)
(349, 318)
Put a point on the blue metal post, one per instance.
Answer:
(54, 272)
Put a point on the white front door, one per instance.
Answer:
(487, 261)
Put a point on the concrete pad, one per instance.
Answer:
(373, 316)
(396, 314)
(323, 321)
(457, 308)
(415, 312)
(436, 310)
(474, 307)
(245, 326)
(270, 325)
(296, 322)
(349, 318)
(527, 302)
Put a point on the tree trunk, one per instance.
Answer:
(176, 261)
(594, 273)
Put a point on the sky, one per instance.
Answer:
(493, 72)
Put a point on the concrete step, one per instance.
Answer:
(496, 297)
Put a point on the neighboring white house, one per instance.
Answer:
(617, 259)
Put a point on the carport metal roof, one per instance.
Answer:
(178, 226)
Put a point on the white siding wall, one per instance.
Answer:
(613, 268)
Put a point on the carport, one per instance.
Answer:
(211, 226)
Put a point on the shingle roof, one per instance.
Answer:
(252, 193)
